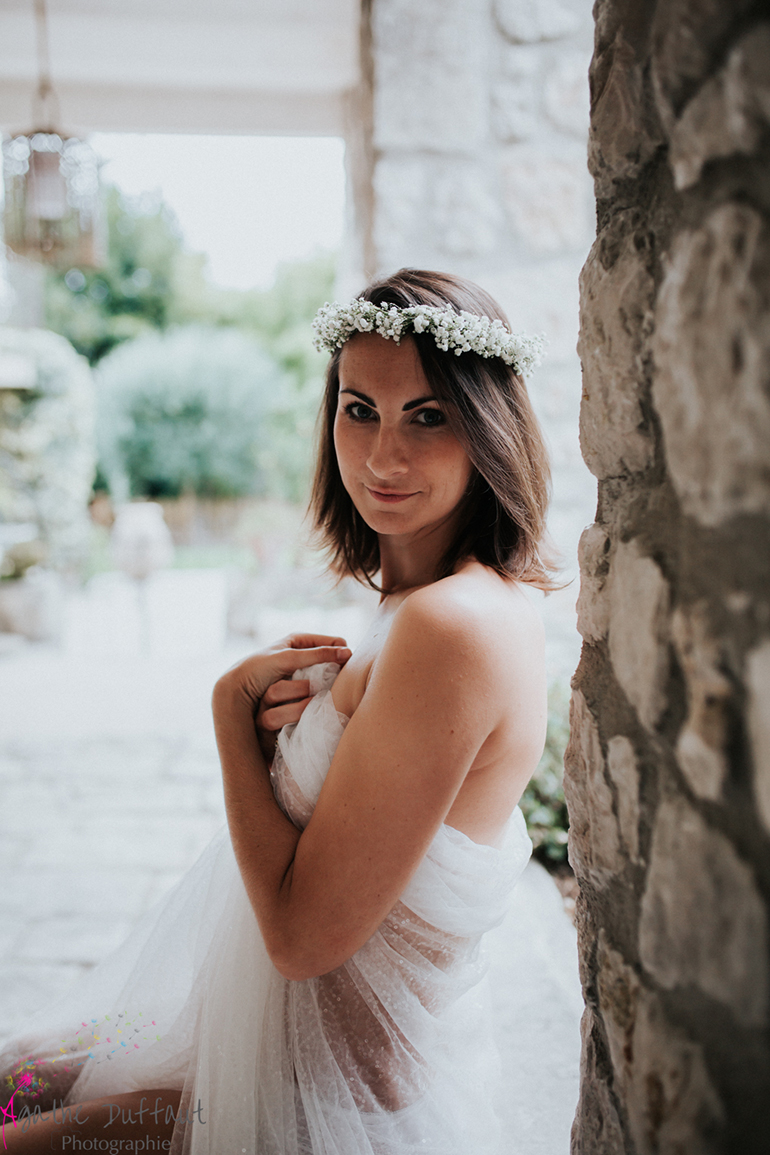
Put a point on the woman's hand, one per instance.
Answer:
(263, 681)
(281, 705)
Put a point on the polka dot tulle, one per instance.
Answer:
(389, 1054)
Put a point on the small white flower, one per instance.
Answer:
(463, 332)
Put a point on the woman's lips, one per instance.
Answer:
(388, 496)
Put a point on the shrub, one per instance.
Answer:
(543, 802)
(186, 411)
(47, 450)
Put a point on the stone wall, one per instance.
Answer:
(669, 763)
(473, 161)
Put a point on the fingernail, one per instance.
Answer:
(344, 654)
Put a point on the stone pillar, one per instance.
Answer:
(668, 776)
(478, 115)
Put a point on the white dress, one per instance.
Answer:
(389, 1054)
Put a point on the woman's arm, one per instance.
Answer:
(264, 839)
(433, 699)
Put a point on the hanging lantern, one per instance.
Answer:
(52, 199)
(52, 203)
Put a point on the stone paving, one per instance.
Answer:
(110, 789)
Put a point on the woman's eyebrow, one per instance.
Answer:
(373, 404)
(419, 401)
(361, 397)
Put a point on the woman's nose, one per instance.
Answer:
(387, 457)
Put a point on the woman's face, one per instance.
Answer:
(399, 460)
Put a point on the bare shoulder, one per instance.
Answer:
(474, 633)
(474, 608)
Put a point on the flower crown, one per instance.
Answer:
(464, 332)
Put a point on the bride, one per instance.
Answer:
(314, 985)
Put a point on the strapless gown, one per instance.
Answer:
(389, 1054)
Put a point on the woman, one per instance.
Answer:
(319, 992)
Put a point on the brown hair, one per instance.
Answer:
(487, 405)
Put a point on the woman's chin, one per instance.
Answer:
(390, 524)
(388, 519)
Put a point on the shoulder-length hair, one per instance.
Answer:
(502, 522)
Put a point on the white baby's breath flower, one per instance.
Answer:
(462, 332)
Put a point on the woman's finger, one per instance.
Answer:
(286, 690)
(285, 715)
(256, 674)
(312, 641)
(290, 660)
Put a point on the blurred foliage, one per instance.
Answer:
(280, 316)
(186, 411)
(17, 559)
(151, 284)
(47, 450)
(138, 288)
(543, 802)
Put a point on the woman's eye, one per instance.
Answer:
(358, 411)
(430, 417)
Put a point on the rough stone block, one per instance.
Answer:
(594, 846)
(521, 62)
(672, 1102)
(722, 950)
(623, 137)
(688, 36)
(597, 1129)
(566, 94)
(466, 215)
(728, 114)
(616, 316)
(661, 1074)
(515, 109)
(529, 21)
(547, 199)
(401, 195)
(638, 630)
(701, 744)
(618, 989)
(621, 763)
(431, 75)
(592, 605)
(541, 296)
(758, 686)
(712, 356)
(557, 398)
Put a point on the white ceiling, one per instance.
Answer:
(210, 66)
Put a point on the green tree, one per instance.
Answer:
(150, 284)
(279, 316)
(136, 290)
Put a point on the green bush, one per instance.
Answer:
(47, 446)
(186, 411)
(136, 291)
(543, 802)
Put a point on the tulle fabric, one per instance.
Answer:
(389, 1054)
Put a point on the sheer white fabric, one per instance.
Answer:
(389, 1054)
